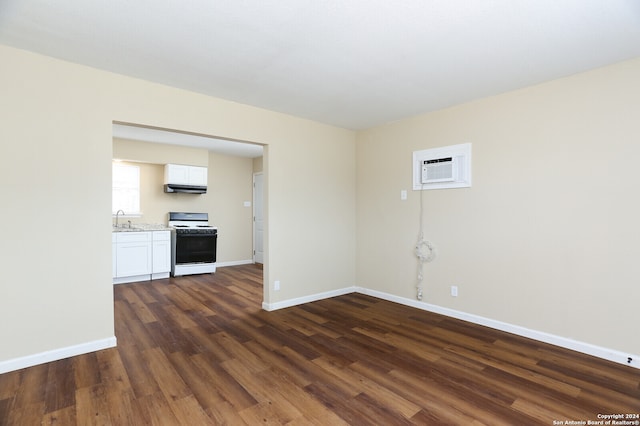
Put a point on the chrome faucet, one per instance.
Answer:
(117, 213)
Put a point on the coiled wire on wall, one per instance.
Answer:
(424, 250)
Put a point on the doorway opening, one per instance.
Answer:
(230, 199)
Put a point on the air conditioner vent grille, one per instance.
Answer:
(438, 170)
(442, 167)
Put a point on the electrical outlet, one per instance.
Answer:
(276, 285)
(454, 291)
(403, 194)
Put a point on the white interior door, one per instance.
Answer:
(258, 218)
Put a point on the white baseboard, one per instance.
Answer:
(306, 299)
(56, 354)
(563, 342)
(234, 263)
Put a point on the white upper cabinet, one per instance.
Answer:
(197, 176)
(179, 174)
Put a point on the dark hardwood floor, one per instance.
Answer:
(198, 350)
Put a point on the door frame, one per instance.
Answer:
(256, 197)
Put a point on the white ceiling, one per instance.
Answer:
(350, 63)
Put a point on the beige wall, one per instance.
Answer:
(56, 142)
(546, 238)
(257, 165)
(229, 186)
(155, 203)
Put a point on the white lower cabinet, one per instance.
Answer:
(138, 256)
(114, 253)
(161, 254)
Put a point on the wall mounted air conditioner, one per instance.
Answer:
(441, 168)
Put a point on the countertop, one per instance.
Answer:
(140, 227)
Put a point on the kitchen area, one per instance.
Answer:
(195, 206)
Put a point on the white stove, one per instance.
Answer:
(193, 244)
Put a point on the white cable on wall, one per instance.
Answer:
(424, 250)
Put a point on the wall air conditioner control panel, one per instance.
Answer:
(441, 168)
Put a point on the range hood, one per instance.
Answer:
(189, 189)
(187, 179)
